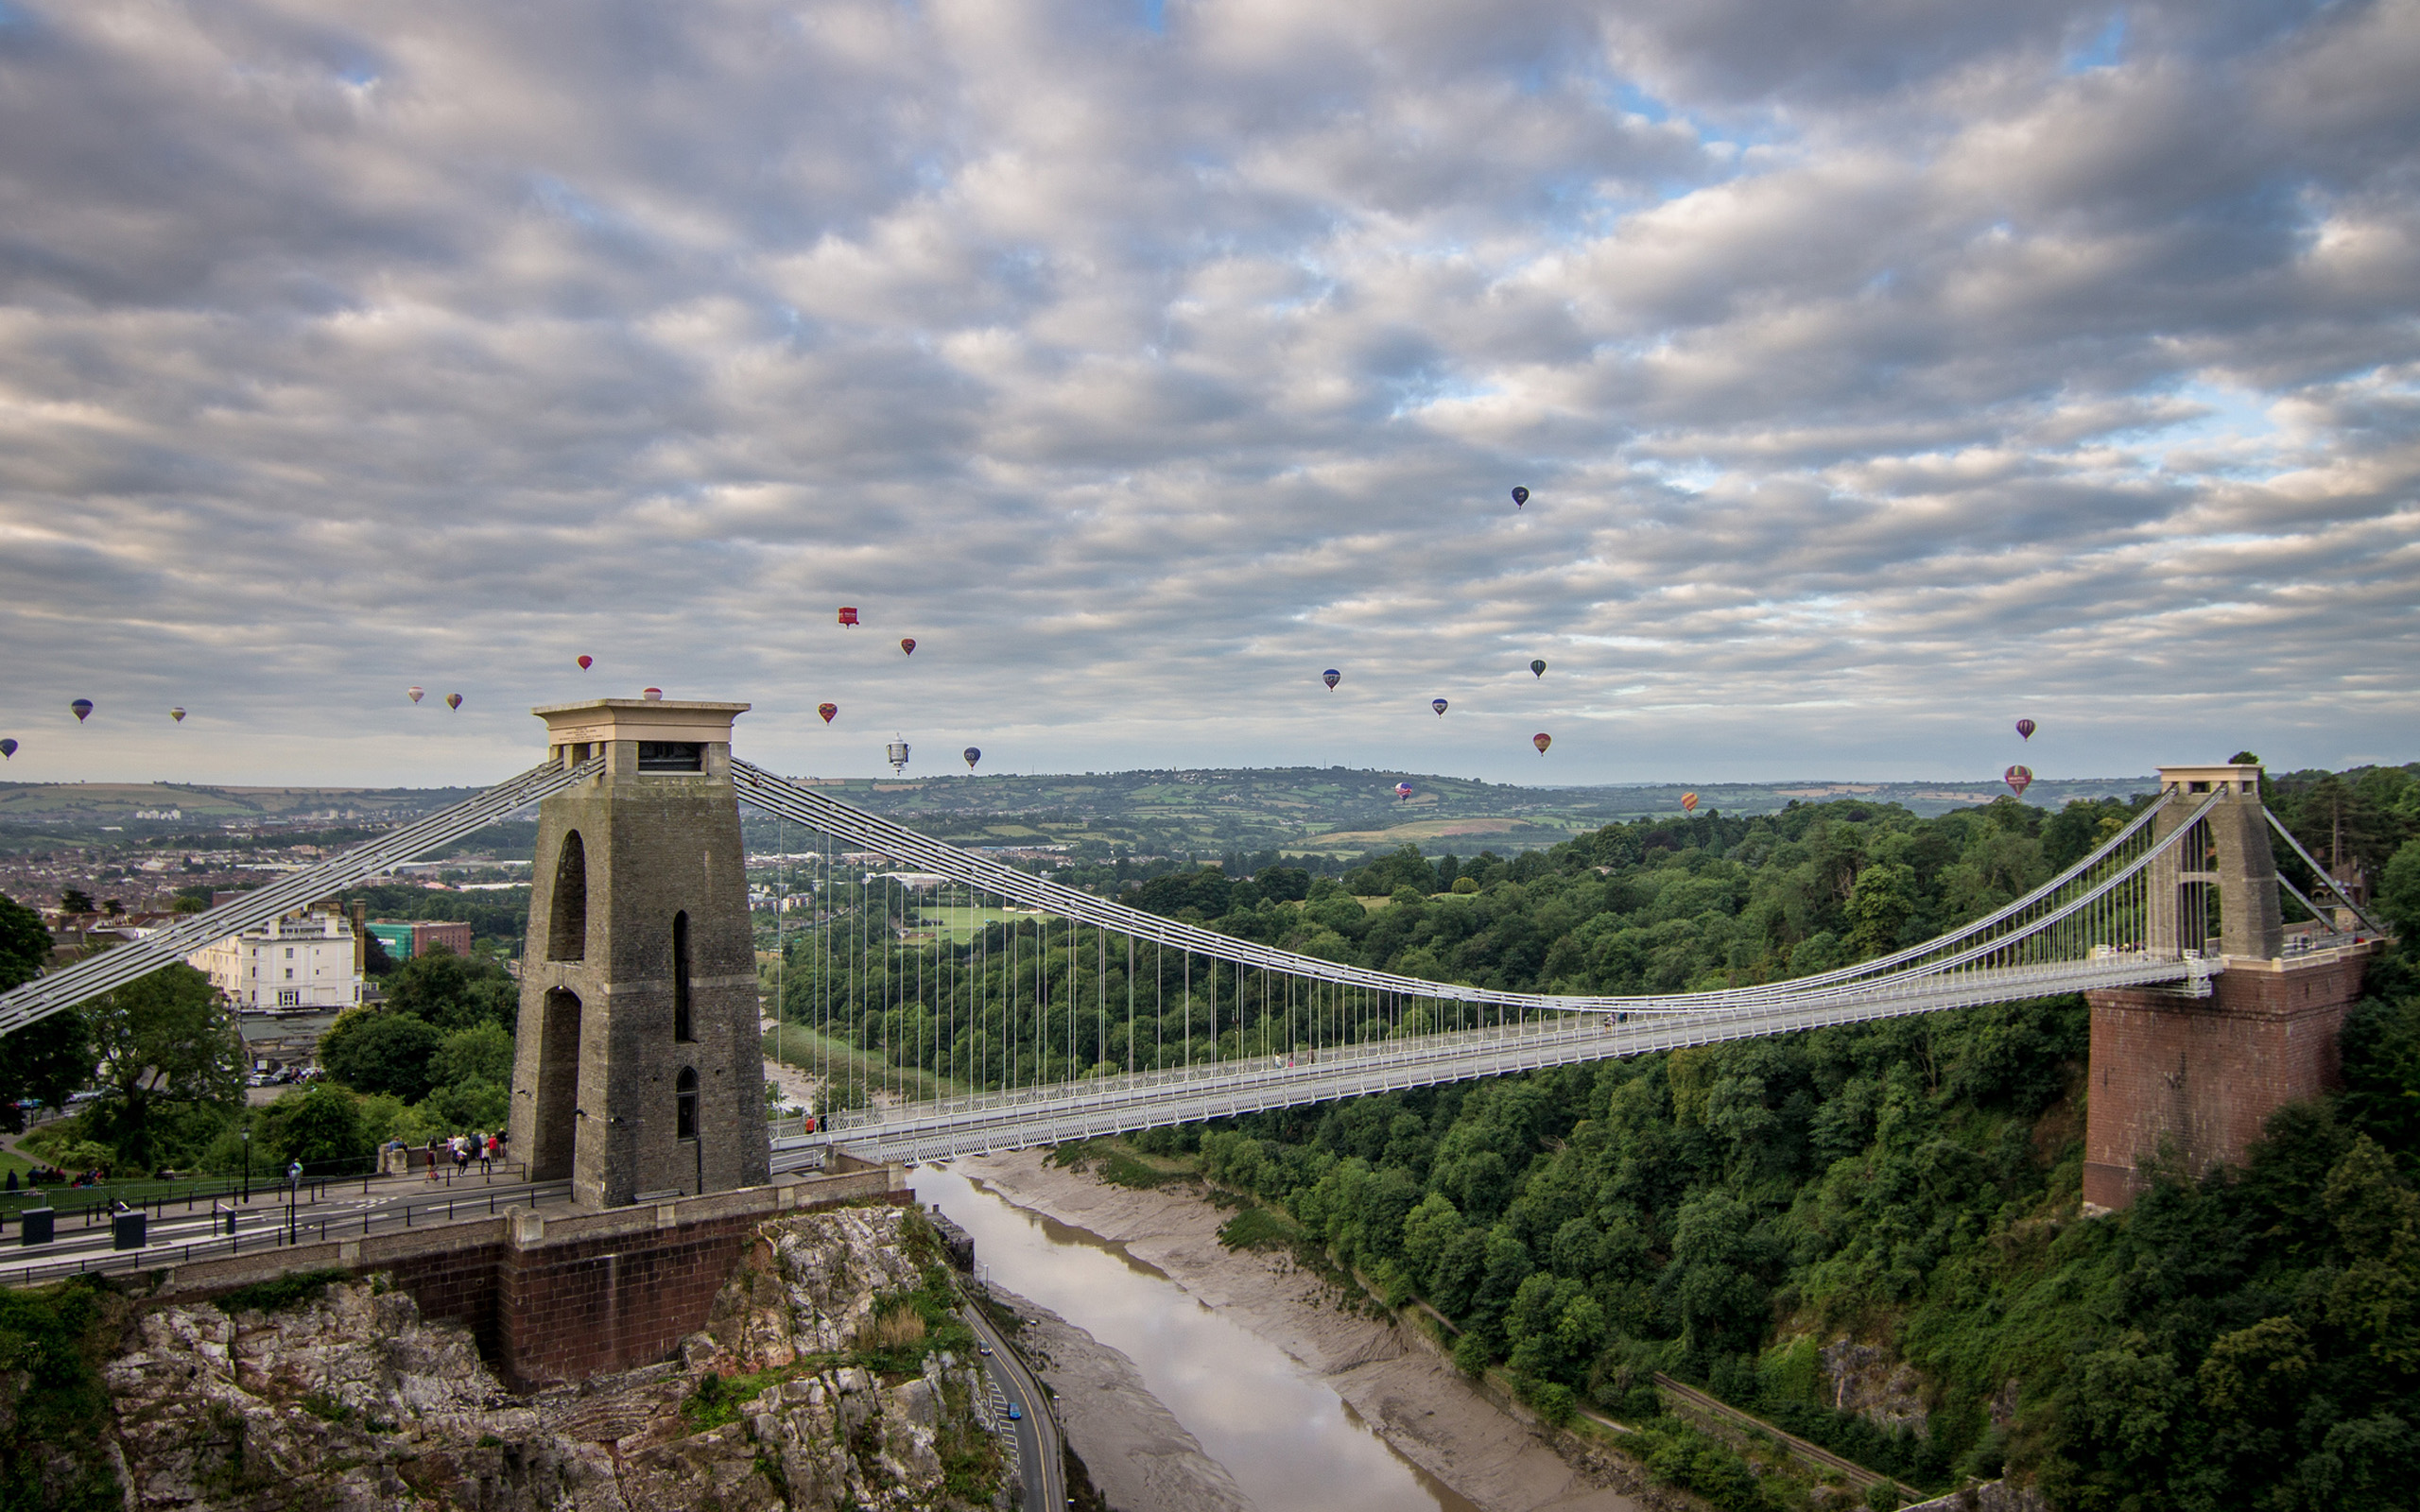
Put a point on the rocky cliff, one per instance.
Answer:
(834, 1373)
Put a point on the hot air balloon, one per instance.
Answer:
(848, 614)
(1438, 704)
(177, 714)
(2024, 728)
(971, 756)
(827, 710)
(1538, 669)
(453, 701)
(8, 749)
(1688, 802)
(1331, 677)
(896, 754)
(82, 707)
(585, 662)
(652, 694)
(2019, 778)
(1542, 740)
(1403, 790)
(907, 644)
(414, 693)
(1520, 497)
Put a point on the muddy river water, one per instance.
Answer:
(1289, 1442)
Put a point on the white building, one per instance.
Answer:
(308, 961)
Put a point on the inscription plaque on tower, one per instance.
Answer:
(638, 1070)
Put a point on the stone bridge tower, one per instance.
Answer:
(639, 1069)
(2194, 1080)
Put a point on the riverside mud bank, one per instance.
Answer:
(1412, 1399)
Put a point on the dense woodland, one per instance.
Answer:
(1725, 1213)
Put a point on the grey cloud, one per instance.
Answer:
(1140, 376)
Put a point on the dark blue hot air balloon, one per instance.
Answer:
(1331, 677)
(83, 707)
(1520, 497)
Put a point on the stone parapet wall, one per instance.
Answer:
(555, 1296)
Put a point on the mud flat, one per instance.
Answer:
(1410, 1396)
(1138, 1454)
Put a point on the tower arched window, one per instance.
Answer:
(684, 1103)
(567, 914)
(682, 1027)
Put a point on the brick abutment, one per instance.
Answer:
(2193, 1082)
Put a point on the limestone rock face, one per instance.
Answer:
(353, 1401)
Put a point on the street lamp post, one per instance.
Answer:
(248, 1160)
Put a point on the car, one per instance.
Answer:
(1016, 1414)
(983, 1349)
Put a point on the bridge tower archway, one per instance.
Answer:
(650, 976)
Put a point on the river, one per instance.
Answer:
(1291, 1443)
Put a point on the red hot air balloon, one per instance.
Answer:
(414, 693)
(971, 756)
(453, 701)
(1520, 497)
(827, 710)
(1688, 802)
(652, 694)
(177, 714)
(848, 614)
(2024, 728)
(1542, 740)
(1403, 791)
(908, 646)
(2019, 778)
(83, 707)
(1331, 677)
(1438, 704)
(8, 749)
(586, 661)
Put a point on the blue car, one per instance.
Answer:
(1016, 1414)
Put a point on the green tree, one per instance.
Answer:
(52, 1056)
(453, 991)
(482, 1053)
(321, 1128)
(2399, 892)
(374, 1050)
(164, 1045)
(1880, 904)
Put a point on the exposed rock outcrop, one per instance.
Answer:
(815, 1387)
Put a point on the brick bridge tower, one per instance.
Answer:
(639, 1070)
(2196, 1078)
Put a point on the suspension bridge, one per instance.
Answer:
(950, 1003)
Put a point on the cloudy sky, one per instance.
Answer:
(1883, 371)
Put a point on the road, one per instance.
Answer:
(1041, 1463)
(339, 1209)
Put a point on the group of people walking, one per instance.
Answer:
(464, 1149)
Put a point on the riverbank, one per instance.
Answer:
(1136, 1451)
(1412, 1399)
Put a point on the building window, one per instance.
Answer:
(672, 756)
(684, 1106)
(290, 997)
(681, 1026)
(289, 973)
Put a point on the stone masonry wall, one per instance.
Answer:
(2202, 1075)
(559, 1296)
